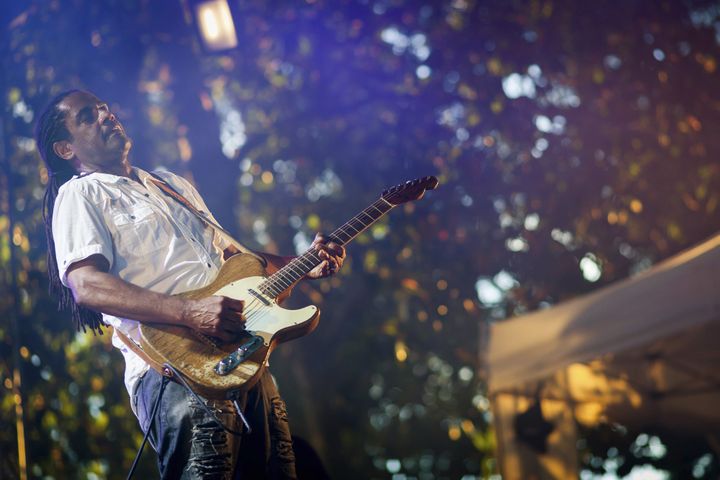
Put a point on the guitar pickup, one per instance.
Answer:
(245, 350)
(259, 296)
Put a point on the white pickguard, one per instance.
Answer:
(261, 317)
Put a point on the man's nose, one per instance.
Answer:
(107, 115)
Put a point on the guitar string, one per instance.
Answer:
(256, 308)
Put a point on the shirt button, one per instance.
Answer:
(147, 194)
(208, 265)
(132, 216)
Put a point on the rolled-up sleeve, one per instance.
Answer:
(79, 230)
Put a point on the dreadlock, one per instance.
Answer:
(49, 129)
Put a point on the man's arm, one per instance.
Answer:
(98, 290)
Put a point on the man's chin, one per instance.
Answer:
(119, 141)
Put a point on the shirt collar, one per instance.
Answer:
(112, 179)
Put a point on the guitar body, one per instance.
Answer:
(220, 371)
(196, 356)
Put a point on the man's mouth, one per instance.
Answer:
(114, 130)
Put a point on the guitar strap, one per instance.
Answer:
(171, 192)
(141, 353)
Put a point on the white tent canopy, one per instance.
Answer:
(643, 351)
(674, 296)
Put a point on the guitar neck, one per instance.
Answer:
(284, 278)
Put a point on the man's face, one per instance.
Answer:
(98, 138)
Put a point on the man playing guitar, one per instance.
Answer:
(119, 245)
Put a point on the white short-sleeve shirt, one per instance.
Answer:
(148, 239)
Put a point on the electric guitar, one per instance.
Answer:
(223, 370)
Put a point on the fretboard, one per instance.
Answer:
(284, 278)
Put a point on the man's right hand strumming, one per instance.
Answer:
(216, 316)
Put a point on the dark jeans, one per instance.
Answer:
(191, 445)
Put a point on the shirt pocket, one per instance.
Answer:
(139, 230)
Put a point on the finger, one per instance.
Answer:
(336, 249)
(231, 329)
(223, 335)
(233, 304)
(319, 239)
(233, 322)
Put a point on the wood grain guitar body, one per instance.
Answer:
(197, 356)
(223, 370)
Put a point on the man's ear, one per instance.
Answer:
(63, 149)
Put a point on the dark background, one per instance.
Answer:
(575, 143)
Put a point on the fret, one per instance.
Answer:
(388, 203)
(289, 271)
(357, 218)
(341, 230)
(287, 274)
(301, 265)
(349, 224)
(295, 271)
(346, 238)
(376, 208)
(353, 221)
(368, 215)
(365, 223)
(357, 230)
(268, 290)
(304, 264)
(285, 280)
(341, 240)
(279, 282)
(298, 270)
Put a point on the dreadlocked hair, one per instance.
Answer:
(49, 129)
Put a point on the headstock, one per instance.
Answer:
(409, 191)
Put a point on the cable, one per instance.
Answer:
(165, 381)
(179, 377)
